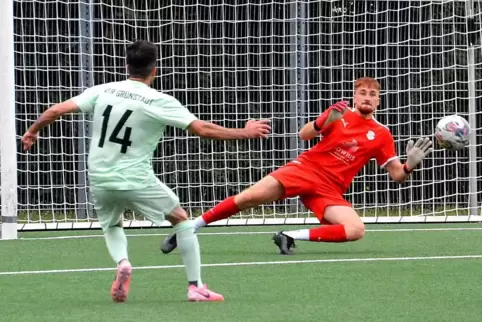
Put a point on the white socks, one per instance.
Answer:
(116, 242)
(189, 248)
(198, 223)
(302, 234)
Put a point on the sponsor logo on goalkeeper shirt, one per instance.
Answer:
(345, 152)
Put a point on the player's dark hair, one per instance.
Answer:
(141, 58)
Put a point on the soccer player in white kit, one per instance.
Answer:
(129, 119)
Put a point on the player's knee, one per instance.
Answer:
(177, 216)
(355, 231)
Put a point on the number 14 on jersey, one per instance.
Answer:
(125, 141)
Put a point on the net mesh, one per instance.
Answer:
(229, 62)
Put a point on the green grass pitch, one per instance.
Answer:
(396, 273)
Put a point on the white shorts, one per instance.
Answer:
(154, 203)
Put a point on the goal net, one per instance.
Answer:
(231, 61)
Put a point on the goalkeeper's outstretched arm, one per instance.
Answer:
(398, 171)
(416, 152)
(322, 124)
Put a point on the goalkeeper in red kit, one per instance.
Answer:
(351, 137)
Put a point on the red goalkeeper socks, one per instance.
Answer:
(330, 234)
(222, 210)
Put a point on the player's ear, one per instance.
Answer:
(153, 71)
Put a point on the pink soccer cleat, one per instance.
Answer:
(120, 286)
(202, 294)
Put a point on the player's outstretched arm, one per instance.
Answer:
(416, 152)
(47, 117)
(253, 129)
(322, 124)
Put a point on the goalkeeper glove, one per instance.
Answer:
(416, 152)
(332, 113)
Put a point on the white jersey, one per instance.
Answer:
(129, 119)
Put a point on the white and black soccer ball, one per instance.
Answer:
(452, 132)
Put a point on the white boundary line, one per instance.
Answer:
(238, 233)
(308, 261)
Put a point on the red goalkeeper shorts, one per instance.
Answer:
(314, 189)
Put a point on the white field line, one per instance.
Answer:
(308, 261)
(234, 233)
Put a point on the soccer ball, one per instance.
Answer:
(452, 132)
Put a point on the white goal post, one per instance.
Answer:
(284, 60)
(8, 146)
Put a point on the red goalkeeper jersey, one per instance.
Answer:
(347, 147)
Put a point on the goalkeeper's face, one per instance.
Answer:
(366, 100)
